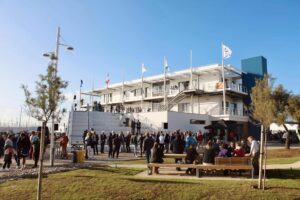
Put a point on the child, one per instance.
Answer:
(8, 153)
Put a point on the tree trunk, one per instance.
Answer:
(261, 150)
(287, 141)
(265, 160)
(41, 158)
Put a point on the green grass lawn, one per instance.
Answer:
(283, 160)
(120, 183)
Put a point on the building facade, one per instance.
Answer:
(188, 99)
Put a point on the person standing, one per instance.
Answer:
(178, 147)
(141, 143)
(148, 144)
(161, 140)
(23, 147)
(35, 141)
(117, 144)
(110, 145)
(138, 127)
(156, 155)
(102, 141)
(63, 143)
(89, 146)
(127, 141)
(133, 126)
(167, 142)
(2, 142)
(254, 153)
(134, 141)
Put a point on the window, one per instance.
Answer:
(183, 107)
(197, 121)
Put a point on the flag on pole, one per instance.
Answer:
(143, 69)
(167, 67)
(107, 80)
(226, 51)
(81, 83)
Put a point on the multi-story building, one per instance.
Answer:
(189, 99)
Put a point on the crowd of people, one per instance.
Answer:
(154, 145)
(24, 145)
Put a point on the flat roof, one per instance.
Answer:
(200, 70)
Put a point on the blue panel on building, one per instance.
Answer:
(256, 65)
(254, 68)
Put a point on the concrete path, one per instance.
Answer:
(295, 165)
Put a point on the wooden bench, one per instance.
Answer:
(174, 155)
(231, 163)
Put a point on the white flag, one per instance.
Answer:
(226, 51)
(167, 67)
(143, 69)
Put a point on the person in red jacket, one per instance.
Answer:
(238, 151)
(63, 143)
(200, 139)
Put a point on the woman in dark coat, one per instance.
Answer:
(209, 154)
(23, 147)
(156, 155)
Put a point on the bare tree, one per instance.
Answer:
(48, 96)
(263, 110)
(281, 100)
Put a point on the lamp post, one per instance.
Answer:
(53, 56)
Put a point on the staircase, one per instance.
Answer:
(99, 121)
(179, 97)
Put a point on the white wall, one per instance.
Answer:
(182, 121)
(150, 119)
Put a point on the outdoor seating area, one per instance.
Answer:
(230, 164)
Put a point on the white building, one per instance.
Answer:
(188, 100)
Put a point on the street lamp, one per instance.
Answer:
(53, 56)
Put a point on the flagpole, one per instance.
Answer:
(123, 91)
(92, 96)
(165, 86)
(223, 76)
(191, 67)
(80, 95)
(142, 90)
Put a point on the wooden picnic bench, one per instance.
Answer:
(230, 163)
(174, 155)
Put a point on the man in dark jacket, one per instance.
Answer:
(117, 144)
(110, 145)
(102, 141)
(138, 127)
(178, 147)
(127, 142)
(141, 143)
(148, 144)
(133, 127)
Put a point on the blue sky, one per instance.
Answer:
(116, 36)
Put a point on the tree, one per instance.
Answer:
(262, 109)
(294, 107)
(281, 99)
(42, 107)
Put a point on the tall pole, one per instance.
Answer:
(191, 68)
(261, 154)
(123, 91)
(165, 85)
(142, 87)
(41, 158)
(20, 120)
(224, 86)
(53, 115)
